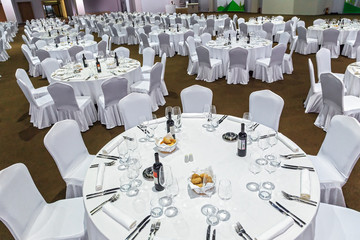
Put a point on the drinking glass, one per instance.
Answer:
(142, 125)
(123, 155)
(211, 118)
(263, 144)
(151, 127)
(273, 138)
(165, 180)
(177, 118)
(265, 190)
(132, 174)
(206, 112)
(248, 117)
(225, 189)
(125, 183)
(167, 110)
(132, 142)
(254, 135)
(134, 162)
(156, 210)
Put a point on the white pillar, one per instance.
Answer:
(80, 7)
(9, 10)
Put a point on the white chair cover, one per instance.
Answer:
(27, 215)
(40, 44)
(131, 37)
(148, 60)
(287, 65)
(89, 37)
(102, 48)
(210, 27)
(243, 28)
(265, 108)
(114, 89)
(144, 43)
(163, 85)
(330, 41)
(205, 38)
(73, 51)
(38, 92)
(305, 45)
(107, 39)
(334, 101)
(210, 69)
(287, 29)
(3, 54)
(79, 108)
(337, 156)
(193, 64)
(270, 69)
(323, 63)
(268, 27)
(351, 46)
(165, 45)
(313, 102)
(194, 98)
(42, 109)
(134, 106)
(34, 62)
(122, 52)
(49, 66)
(358, 54)
(88, 55)
(284, 38)
(238, 72)
(182, 48)
(318, 21)
(42, 54)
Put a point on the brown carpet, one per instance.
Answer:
(21, 142)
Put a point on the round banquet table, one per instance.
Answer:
(87, 81)
(257, 49)
(219, 22)
(255, 26)
(352, 79)
(175, 37)
(209, 150)
(346, 33)
(61, 52)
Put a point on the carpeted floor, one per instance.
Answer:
(21, 142)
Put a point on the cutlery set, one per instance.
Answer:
(112, 199)
(294, 167)
(106, 164)
(294, 155)
(102, 193)
(267, 136)
(286, 212)
(111, 157)
(222, 119)
(144, 130)
(139, 227)
(208, 233)
(299, 199)
(154, 228)
(239, 229)
(253, 127)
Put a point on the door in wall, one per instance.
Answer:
(2, 14)
(26, 11)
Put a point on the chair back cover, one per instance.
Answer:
(144, 40)
(89, 37)
(302, 34)
(227, 24)
(243, 28)
(238, 58)
(268, 27)
(191, 45)
(203, 56)
(164, 40)
(122, 52)
(341, 145)
(288, 28)
(284, 38)
(163, 61)
(130, 31)
(102, 45)
(148, 56)
(73, 51)
(42, 54)
(133, 106)
(21, 201)
(330, 36)
(49, 66)
(333, 91)
(187, 34)
(63, 96)
(205, 38)
(277, 55)
(194, 98)
(147, 29)
(312, 75)
(300, 23)
(196, 29)
(40, 44)
(323, 61)
(178, 20)
(88, 55)
(66, 145)
(22, 75)
(27, 92)
(155, 76)
(265, 108)
(114, 90)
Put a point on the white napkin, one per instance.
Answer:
(235, 119)
(111, 146)
(305, 184)
(276, 230)
(100, 176)
(292, 146)
(158, 121)
(192, 115)
(119, 216)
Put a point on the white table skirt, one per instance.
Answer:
(255, 52)
(347, 33)
(62, 51)
(175, 37)
(208, 149)
(352, 79)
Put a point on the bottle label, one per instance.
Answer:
(241, 144)
(172, 130)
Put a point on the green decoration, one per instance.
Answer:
(349, 8)
(232, 7)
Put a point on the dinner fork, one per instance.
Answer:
(242, 230)
(106, 164)
(237, 230)
(152, 229)
(157, 227)
(112, 199)
(299, 199)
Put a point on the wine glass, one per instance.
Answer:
(143, 127)
(177, 118)
(168, 110)
(135, 162)
(123, 155)
(225, 189)
(172, 191)
(151, 126)
(206, 113)
(132, 142)
(263, 144)
(132, 174)
(248, 117)
(165, 180)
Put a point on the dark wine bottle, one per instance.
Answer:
(248, 38)
(68, 39)
(98, 66)
(229, 41)
(77, 41)
(116, 60)
(170, 127)
(242, 138)
(156, 170)
(49, 34)
(237, 36)
(84, 61)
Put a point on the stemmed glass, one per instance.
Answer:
(151, 126)
(177, 118)
(172, 191)
(272, 140)
(263, 145)
(165, 180)
(123, 155)
(206, 113)
(134, 162)
(132, 142)
(132, 174)
(143, 127)
(248, 117)
(211, 118)
(167, 110)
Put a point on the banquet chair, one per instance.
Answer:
(210, 27)
(131, 37)
(122, 52)
(194, 98)
(147, 29)
(102, 48)
(305, 45)
(286, 29)
(116, 38)
(287, 65)
(334, 101)
(144, 43)
(132, 107)
(148, 60)
(243, 28)
(40, 44)
(270, 69)
(313, 102)
(284, 38)
(358, 54)
(66, 146)
(300, 24)
(226, 26)
(182, 48)
(165, 45)
(32, 47)
(334, 222)
(114, 89)
(240, 20)
(27, 215)
(337, 157)
(42, 109)
(351, 46)
(49, 66)
(34, 62)
(34, 40)
(197, 30)
(42, 54)
(265, 108)
(89, 37)
(210, 69)
(35, 92)
(152, 87)
(323, 63)
(79, 108)
(107, 39)
(330, 41)
(235, 21)
(238, 72)
(205, 38)
(146, 76)
(88, 55)
(268, 27)
(73, 51)
(193, 64)
(318, 21)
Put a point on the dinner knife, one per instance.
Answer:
(141, 229)
(267, 136)
(214, 235)
(138, 226)
(281, 206)
(105, 191)
(296, 168)
(289, 165)
(208, 232)
(107, 156)
(222, 119)
(285, 213)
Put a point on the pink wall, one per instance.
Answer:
(155, 6)
(95, 6)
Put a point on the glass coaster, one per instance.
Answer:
(261, 161)
(212, 220)
(270, 157)
(223, 215)
(268, 185)
(208, 209)
(165, 201)
(171, 211)
(252, 186)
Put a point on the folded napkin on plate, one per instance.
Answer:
(277, 230)
(305, 184)
(100, 176)
(119, 216)
(112, 145)
(288, 143)
(192, 115)
(235, 119)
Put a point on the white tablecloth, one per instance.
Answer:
(208, 149)
(346, 33)
(352, 79)
(88, 81)
(257, 50)
(254, 26)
